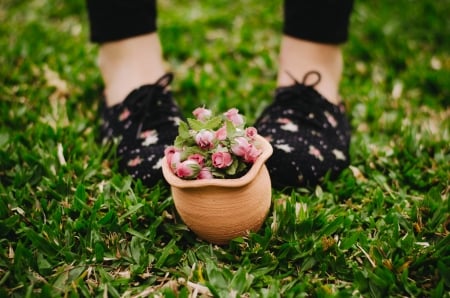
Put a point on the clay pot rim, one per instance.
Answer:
(260, 142)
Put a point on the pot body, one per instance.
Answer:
(220, 213)
(218, 210)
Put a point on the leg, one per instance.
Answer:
(138, 109)
(129, 63)
(130, 51)
(313, 31)
(306, 123)
(298, 56)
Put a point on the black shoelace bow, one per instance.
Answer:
(300, 97)
(151, 102)
(298, 89)
(305, 77)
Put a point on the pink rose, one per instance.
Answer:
(170, 150)
(188, 169)
(221, 133)
(252, 153)
(205, 173)
(234, 116)
(240, 146)
(202, 114)
(172, 155)
(204, 139)
(251, 132)
(200, 159)
(221, 159)
(175, 160)
(243, 148)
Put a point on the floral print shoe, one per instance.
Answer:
(310, 136)
(145, 123)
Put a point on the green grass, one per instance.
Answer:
(70, 225)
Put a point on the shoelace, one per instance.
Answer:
(288, 98)
(299, 89)
(305, 77)
(144, 105)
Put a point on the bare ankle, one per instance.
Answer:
(129, 63)
(298, 57)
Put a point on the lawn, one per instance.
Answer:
(71, 225)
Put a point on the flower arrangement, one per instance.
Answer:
(213, 146)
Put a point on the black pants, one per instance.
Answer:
(324, 21)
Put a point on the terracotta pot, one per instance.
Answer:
(218, 210)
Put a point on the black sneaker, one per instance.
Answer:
(310, 136)
(145, 123)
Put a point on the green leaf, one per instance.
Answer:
(108, 218)
(4, 138)
(4, 278)
(112, 290)
(231, 170)
(169, 293)
(444, 270)
(135, 247)
(133, 209)
(183, 130)
(195, 124)
(218, 174)
(179, 142)
(138, 234)
(192, 150)
(231, 129)
(62, 280)
(168, 249)
(40, 243)
(99, 251)
(47, 291)
(241, 281)
(42, 263)
(349, 240)
(333, 226)
(81, 197)
(80, 285)
(438, 292)
(308, 264)
(4, 210)
(379, 278)
(214, 123)
(242, 166)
